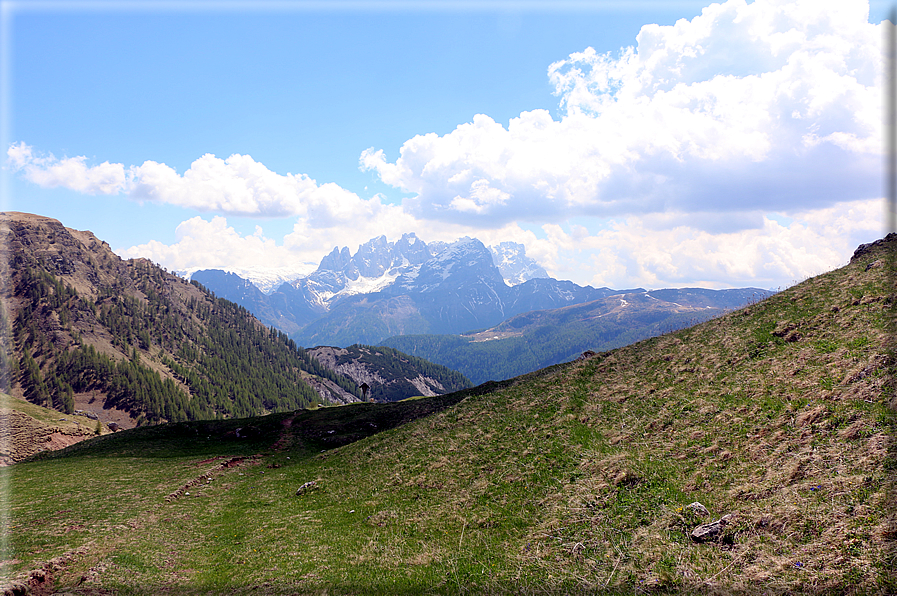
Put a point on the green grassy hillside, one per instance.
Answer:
(575, 479)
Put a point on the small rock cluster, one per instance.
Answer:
(307, 487)
(88, 414)
(708, 532)
(206, 478)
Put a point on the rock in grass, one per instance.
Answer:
(308, 486)
(16, 588)
(711, 531)
(698, 509)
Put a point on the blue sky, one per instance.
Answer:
(741, 147)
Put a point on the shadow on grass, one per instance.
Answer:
(302, 432)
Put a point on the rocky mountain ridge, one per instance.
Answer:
(267, 280)
(406, 287)
(390, 375)
(514, 265)
(409, 288)
(380, 269)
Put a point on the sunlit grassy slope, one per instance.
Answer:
(571, 480)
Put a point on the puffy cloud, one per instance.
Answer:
(237, 185)
(755, 106)
(201, 244)
(48, 171)
(784, 248)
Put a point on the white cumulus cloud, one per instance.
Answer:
(238, 185)
(201, 244)
(747, 106)
(632, 253)
(72, 173)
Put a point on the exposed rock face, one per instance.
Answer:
(427, 386)
(373, 258)
(411, 250)
(390, 375)
(863, 249)
(515, 266)
(336, 260)
(347, 364)
(330, 392)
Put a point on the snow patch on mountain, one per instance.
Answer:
(408, 264)
(341, 274)
(514, 265)
(369, 285)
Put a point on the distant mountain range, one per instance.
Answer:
(388, 291)
(401, 288)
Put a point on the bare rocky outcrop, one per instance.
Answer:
(391, 375)
(427, 386)
(864, 249)
(330, 392)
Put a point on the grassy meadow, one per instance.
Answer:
(574, 479)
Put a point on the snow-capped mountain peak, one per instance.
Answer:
(515, 266)
(407, 266)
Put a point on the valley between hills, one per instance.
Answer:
(577, 478)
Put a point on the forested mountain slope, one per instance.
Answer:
(88, 330)
(537, 339)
